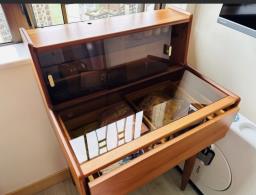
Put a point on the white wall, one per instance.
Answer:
(224, 55)
(28, 147)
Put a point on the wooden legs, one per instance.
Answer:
(187, 170)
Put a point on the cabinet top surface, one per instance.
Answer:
(67, 34)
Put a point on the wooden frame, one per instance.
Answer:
(156, 161)
(39, 41)
(99, 30)
(16, 18)
(124, 150)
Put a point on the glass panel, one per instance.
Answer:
(168, 101)
(102, 65)
(5, 34)
(113, 126)
(83, 12)
(111, 121)
(47, 14)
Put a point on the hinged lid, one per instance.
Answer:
(75, 33)
(75, 62)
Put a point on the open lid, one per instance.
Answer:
(78, 60)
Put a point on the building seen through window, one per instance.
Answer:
(83, 12)
(5, 34)
(54, 14)
(47, 14)
(16, 16)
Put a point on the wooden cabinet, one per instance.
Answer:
(125, 104)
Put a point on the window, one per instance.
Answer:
(47, 14)
(5, 34)
(82, 12)
(15, 16)
(52, 14)
(12, 18)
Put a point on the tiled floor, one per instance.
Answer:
(166, 184)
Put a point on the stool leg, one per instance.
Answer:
(188, 168)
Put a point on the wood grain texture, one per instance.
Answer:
(69, 155)
(74, 168)
(147, 139)
(75, 33)
(78, 33)
(155, 162)
(188, 168)
(66, 148)
(180, 43)
(166, 184)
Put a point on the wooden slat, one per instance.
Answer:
(157, 161)
(126, 149)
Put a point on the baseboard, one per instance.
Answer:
(42, 184)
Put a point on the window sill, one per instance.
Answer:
(14, 55)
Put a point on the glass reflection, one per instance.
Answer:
(168, 101)
(80, 70)
(106, 138)
(140, 111)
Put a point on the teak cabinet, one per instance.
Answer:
(125, 105)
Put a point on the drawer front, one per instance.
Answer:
(157, 161)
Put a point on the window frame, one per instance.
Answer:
(22, 15)
(64, 14)
(16, 19)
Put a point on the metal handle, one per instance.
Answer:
(51, 81)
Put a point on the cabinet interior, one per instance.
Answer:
(162, 100)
